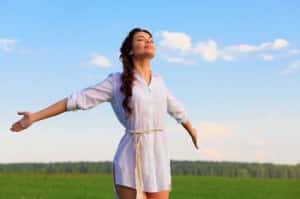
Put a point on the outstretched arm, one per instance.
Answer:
(83, 99)
(192, 132)
(52, 110)
(29, 118)
(176, 109)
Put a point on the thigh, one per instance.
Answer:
(127, 192)
(158, 195)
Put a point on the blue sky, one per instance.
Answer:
(234, 65)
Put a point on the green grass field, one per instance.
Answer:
(81, 186)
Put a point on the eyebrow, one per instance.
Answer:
(144, 37)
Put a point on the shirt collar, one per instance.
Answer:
(138, 76)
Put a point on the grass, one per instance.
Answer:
(100, 186)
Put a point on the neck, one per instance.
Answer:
(142, 66)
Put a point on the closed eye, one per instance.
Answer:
(145, 40)
(142, 38)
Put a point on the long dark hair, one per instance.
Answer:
(127, 76)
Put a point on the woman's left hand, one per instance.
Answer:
(194, 136)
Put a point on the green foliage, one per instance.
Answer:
(100, 186)
(196, 168)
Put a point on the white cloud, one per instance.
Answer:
(207, 50)
(293, 67)
(177, 60)
(175, 41)
(267, 57)
(257, 142)
(226, 57)
(277, 44)
(261, 155)
(259, 152)
(213, 130)
(211, 153)
(242, 48)
(294, 51)
(7, 45)
(99, 60)
(178, 45)
(178, 42)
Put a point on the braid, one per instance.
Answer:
(127, 76)
(127, 81)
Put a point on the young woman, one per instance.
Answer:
(140, 99)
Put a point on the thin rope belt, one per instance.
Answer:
(138, 165)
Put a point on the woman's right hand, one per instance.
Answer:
(23, 123)
(194, 136)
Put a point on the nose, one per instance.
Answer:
(149, 43)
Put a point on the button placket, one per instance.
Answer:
(149, 87)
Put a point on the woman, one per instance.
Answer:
(140, 99)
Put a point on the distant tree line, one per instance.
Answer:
(235, 169)
(197, 168)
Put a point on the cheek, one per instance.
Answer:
(138, 47)
(153, 48)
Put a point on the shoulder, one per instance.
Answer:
(113, 75)
(114, 78)
(158, 77)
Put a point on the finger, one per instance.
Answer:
(196, 144)
(13, 129)
(21, 125)
(16, 123)
(21, 113)
(17, 127)
(14, 126)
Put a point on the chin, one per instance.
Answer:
(149, 55)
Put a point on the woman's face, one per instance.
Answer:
(142, 46)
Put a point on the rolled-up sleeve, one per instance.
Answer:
(91, 96)
(176, 109)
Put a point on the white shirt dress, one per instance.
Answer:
(141, 160)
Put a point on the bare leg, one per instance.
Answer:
(127, 192)
(124, 192)
(158, 195)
